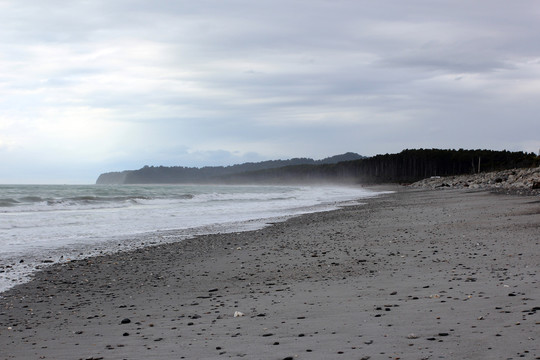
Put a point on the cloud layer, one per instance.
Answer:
(93, 86)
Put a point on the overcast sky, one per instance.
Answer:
(94, 86)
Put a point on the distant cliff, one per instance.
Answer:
(113, 178)
(211, 174)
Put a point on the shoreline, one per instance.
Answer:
(413, 274)
(19, 262)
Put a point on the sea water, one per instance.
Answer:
(44, 224)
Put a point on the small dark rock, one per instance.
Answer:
(125, 321)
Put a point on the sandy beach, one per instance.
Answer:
(417, 274)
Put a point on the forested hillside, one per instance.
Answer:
(209, 174)
(412, 165)
(406, 166)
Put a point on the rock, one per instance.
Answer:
(516, 181)
(125, 321)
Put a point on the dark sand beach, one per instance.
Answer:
(417, 274)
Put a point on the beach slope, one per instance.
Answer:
(417, 274)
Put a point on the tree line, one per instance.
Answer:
(404, 167)
(407, 166)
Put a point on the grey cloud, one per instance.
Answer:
(246, 79)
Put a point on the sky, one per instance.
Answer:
(93, 86)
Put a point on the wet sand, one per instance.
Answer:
(449, 274)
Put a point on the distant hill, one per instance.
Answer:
(210, 174)
(340, 158)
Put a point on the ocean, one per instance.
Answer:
(45, 224)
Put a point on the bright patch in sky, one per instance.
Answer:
(93, 86)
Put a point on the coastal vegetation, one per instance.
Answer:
(407, 166)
